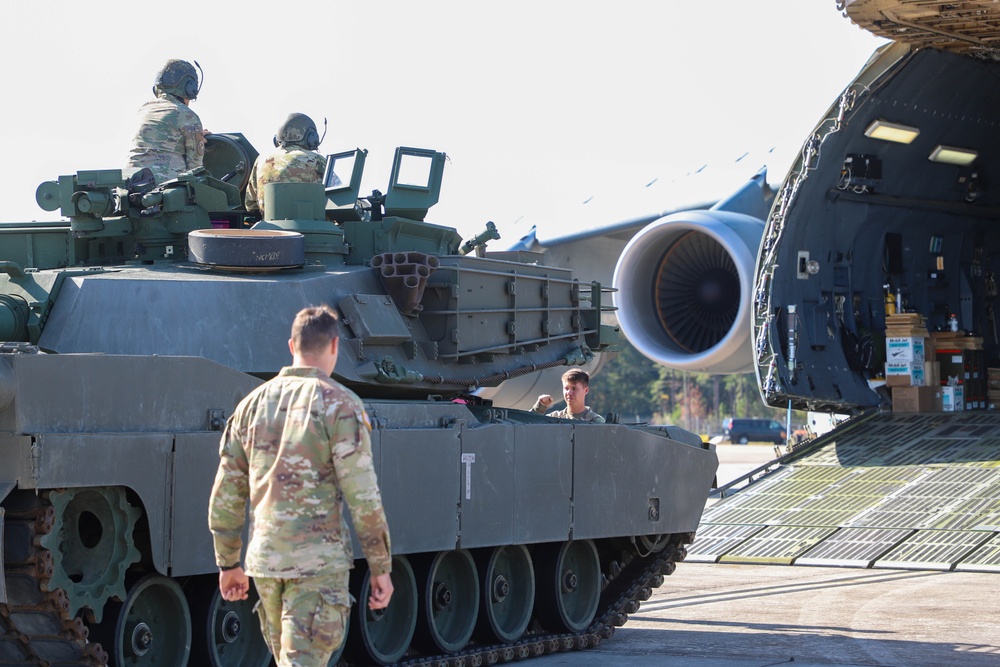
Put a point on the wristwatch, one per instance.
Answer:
(223, 568)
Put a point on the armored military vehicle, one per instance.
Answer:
(132, 329)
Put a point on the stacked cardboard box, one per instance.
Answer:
(906, 350)
(953, 398)
(917, 399)
(993, 388)
(907, 371)
(962, 366)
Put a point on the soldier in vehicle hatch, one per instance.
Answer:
(294, 161)
(170, 138)
(576, 386)
(294, 447)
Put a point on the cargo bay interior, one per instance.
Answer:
(882, 242)
(892, 234)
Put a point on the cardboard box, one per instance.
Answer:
(909, 349)
(904, 374)
(952, 399)
(916, 399)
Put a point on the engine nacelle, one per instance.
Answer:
(685, 285)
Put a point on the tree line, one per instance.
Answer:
(638, 389)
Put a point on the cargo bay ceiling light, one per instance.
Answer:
(886, 131)
(951, 155)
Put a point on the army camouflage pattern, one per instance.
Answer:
(291, 164)
(309, 614)
(169, 140)
(586, 415)
(298, 447)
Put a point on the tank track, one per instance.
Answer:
(35, 625)
(37, 630)
(628, 582)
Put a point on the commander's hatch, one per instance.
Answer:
(342, 181)
(415, 183)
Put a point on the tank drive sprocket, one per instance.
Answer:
(91, 545)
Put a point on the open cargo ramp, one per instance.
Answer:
(911, 491)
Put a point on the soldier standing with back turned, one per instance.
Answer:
(170, 138)
(294, 447)
(294, 161)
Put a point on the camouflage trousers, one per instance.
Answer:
(303, 620)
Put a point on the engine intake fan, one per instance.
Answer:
(684, 290)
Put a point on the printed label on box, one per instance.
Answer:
(909, 349)
(911, 374)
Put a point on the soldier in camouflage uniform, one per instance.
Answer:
(294, 447)
(576, 386)
(170, 138)
(294, 161)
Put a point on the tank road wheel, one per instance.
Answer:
(506, 592)
(449, 600)
(569, 589)
(228, 633)
(646, 545)
(91, 545)
(151, 627)
(382, 636)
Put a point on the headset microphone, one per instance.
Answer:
(201, 79)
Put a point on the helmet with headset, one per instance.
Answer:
(178, 78)
(298, 130)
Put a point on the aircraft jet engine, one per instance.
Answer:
(685, 286)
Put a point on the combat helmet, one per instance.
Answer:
(298, 130)
(177, 78)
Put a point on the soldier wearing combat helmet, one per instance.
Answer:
(294, 161)
(170, 138)
(297, 447)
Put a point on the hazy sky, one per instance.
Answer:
(539, 104)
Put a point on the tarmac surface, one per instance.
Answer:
(713, 615)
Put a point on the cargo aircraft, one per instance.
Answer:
(888, 212)
(888, 198)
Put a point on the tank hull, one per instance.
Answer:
(454, 476)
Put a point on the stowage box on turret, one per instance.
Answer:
(133, 328)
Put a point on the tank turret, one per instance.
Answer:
(419, 317)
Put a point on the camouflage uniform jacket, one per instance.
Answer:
(297, 447)
(170, 138)
(586, 414)
(291, 164)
